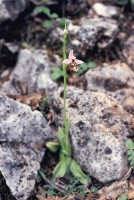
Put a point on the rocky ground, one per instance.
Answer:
(100, 97)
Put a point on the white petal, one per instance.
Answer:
(79, 61)
(71, 55)
(66, 61)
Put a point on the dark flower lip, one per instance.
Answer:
(73, 67)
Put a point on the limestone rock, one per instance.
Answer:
(128, 51)
(116, 80)
(4, 14)
(31, 73)
(111, 77)
(22, 137)
(99, 128)
(125, 97)
(87, 34)
(105, 10)
(9, 9)
(76, 6)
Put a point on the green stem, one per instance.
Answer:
(65, 86)
(64, 73)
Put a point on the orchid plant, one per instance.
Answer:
(66, 162)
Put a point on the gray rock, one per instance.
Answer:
(125, 97)
(10, 9)
(4, 14)
(99, 127)
(110, 78)
(8, 88)
(22, 137)
(87, 34)
(105, 10)
(31, 73)
(77, 6)
(12, 48)
(128, 51)
(116, 80)
(55, 39)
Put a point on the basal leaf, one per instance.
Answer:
(52, 146)
(61, 137)
(61, 168)
(77, 172)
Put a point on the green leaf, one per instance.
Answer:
(61, 168)
(56, 73)
(122, 2)
(64, 142)
(39, 9)
(56, 169)
(67, 125)
(54, 15)
(55, 76)
(77, 172)
(47, 24)
(68, 162)
(130, 144)
(52, 146)
(123, 197)
(62, 22)
(46, 11)
(130, 151)
(85, 67)
(93, 189)
(56, 69)
(91, 65)
(67, 141)
(61, 136)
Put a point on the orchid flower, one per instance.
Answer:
(72, 62)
